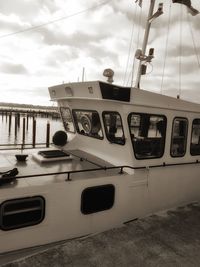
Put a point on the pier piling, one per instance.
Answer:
(10, 122)
(23, 131)
(34, 132)
(16, 124)
(18, 120)
(48, 134)
(27, 117)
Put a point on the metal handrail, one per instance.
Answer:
(20, 146)
(121, 167)
(77, 171)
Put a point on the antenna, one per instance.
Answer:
(140, 53)
(83, 74)
(158, 13)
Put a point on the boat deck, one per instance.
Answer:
(78, 165)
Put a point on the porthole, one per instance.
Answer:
(23, 212)
(97, 198)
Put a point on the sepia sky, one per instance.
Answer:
(94, 35)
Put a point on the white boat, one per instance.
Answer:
(128, 153)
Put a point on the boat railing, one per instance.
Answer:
(69, 173)
(120, 168)
(21, 146)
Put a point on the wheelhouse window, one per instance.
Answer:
(179, 137)
(195, 138)
(88, 123)
(113, 127)
(147, 134)
(67, 119)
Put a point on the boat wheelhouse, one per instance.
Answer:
(135, 127)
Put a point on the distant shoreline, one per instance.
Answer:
(26, 106)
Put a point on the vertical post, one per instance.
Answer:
(83, 74)
(34, 132)
(18, 119)
(15, 126)
(10, 122)
(23, 131)
(48, 134)
(145, 41)
(27, 117)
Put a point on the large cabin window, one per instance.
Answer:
(88, 123)
(179, 137)
(113, 127)
(147, 134)
(67, 119)
(195, 139)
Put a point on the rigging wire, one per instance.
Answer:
(149, 72)
(193, 41)
(166, 48)
(130, 46)
(138, 39)
(55, 20)
(180, 53)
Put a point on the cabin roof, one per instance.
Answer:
(98, 90)
(147, 98)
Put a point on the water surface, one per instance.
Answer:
(11, 128)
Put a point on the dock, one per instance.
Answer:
(29, 110)
(170, 238)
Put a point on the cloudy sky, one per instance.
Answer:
(94, 35)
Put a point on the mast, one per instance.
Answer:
(140, 53)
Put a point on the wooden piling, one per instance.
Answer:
(48, 134)
(18, 120)
(23, 131)
(34, 132)
(16, 125)
(10, 122)
(27, 117)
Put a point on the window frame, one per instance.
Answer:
(87, 195)
(18, 200)
(76, 124)
(186, 137)
(164, 137)
(105, 127)
(61, 107)
(191, 137)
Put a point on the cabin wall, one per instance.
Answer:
(111, 152)
(124, 154)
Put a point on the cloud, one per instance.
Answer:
(96, 39)
(34, 96)
(27, 9)
(58, 55)
(76, 39)
(11, 23)
(70, 46)
(13, 68)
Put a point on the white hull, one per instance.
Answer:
(137, 195)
